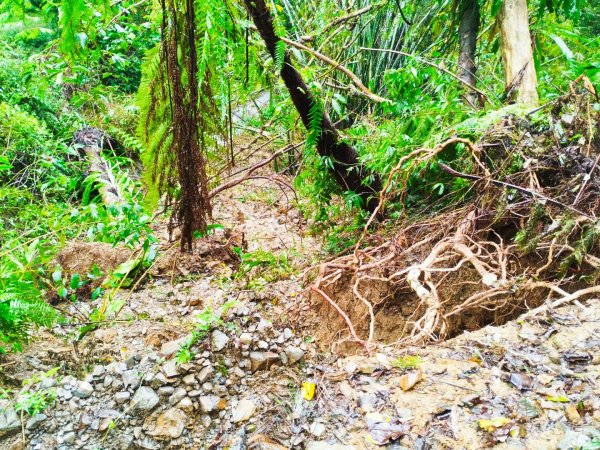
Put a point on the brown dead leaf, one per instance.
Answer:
(572, 414)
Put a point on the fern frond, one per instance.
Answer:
(280, 50)
(315, 124)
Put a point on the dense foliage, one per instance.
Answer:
(76, 63)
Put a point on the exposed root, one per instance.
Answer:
(458, 264)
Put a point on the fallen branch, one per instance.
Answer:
(523, 190)
(249, 173)
(338, 66)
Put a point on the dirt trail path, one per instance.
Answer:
(528, 384)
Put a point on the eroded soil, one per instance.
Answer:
(531, 384)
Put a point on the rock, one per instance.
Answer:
(169, 424)
(573, 439)
(108, 380)
(324, 445)
(245, 338)
(567, 119)
(131, 378)
(125, 442)
(317, 429)
(263, 325)
(243, 411)
(262, 360)
(49, 382)
(170, 369)
(116, 368)
(68, 438)
(409, 380)
(294, 354)
(208, 403)
(83, 390)
(165, 391)
(122, 397)
(367, 402)
(178, 395)
(204, 374)
(160, 380)
(287, 334)
(35, 421)
(185, 405)
(9, 421)
(148, 444)
(219, 340)
(144, 400)
(189, 380)
(130, 362)
(263, 345)
(17, 445)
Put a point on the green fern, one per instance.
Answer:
(280, 50)
(21, 309)
(315, 124)
(589, 238)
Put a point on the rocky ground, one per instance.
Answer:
(248, 378)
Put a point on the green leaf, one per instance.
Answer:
(74, 284)
(562, 45)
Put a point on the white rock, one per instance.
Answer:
(170, 369)
(172, 347)
(131, 378)
(204, 374)
(208, 403)
(122, 397)
(244, 410)
(219, 340)
(189, 380)
(185, 405)
(177, 396)
(83, 389)
(9, 421)
(144, 400)
(294, 354)
(246, 338)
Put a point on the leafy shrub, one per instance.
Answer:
(21, 308)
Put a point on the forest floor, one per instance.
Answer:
(532, 383)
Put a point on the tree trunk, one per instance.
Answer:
(469, 28)
(347, 170)
(517, 53)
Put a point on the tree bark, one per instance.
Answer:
(349, 173)
(469, 28)
(517, 52)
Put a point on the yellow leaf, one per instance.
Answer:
(308, 390)
(558, 398)
(491, 424)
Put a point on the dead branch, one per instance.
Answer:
(523, 190)
(249, 173)
(338, 66)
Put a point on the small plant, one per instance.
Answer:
(34, 402)
(407, 362)
(266, 267)
(207, 321)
